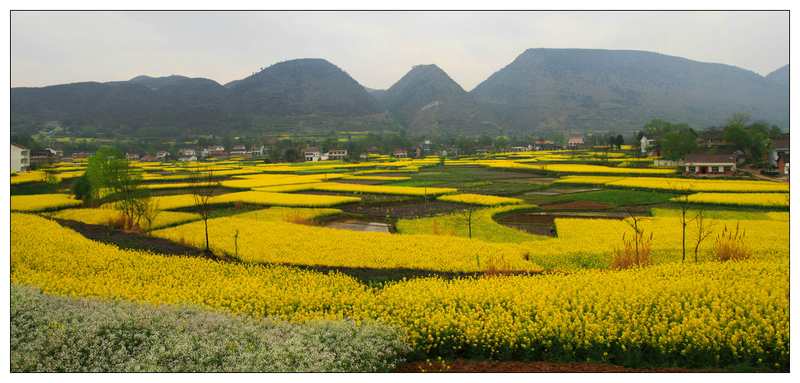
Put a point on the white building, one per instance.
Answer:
(337, 154)
(312, 154)
(20, 159)
(645, 143)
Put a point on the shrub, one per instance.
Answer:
(731, 246)
(54, 334)
(634, 252)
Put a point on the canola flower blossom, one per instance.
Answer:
(271, 241)
(694, 315)
(739, 199)
(480, 199)
(106, 216)
(42, 202)
(382, 189)
(679, 184)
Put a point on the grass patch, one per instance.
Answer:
(612, 197)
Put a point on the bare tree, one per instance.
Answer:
(203, 189)
(684, 208)
(704, 230)
(468, 219)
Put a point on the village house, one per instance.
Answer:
(45, 156)
(239, 150)
(706, 164)
(542, 144)
(187, 155)
(257, 151)
(400, 153)
(132, 156)
(521, 148)
(645, 144)
(337, 154)
(575, 141)
(312, 154)
(162, 155)
(779, 154)
(20, 159)
(215, 151)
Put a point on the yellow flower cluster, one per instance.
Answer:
(739, 199)
(382, 189)
(106, 216)
(262, 180)
(679, 184)
(590, 242)
(574, 168)
(288, 214)
(262, 241)
(180, 201)
(376, 178)
(61, 261)
(709, 314)
(480, 199)
(42, 202)
(282, 199)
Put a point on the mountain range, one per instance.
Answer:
(542, 90)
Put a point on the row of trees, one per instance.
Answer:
(675, 141)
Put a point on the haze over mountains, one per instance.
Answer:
(542, 90)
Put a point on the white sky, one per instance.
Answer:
(376, 48)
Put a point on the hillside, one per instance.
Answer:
(311, 94)
(542, 90)
(582, 89)
(427, 100)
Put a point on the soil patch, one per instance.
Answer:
(576, 205)
(464, 365)
(128, 240)
(386, 212)
(543, 223)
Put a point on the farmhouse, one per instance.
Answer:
(779, 154)
(575, 141)
(337, 154)
(709, 164)
(20, 159)
(400, 153)
(312, 154)
(238, 150)
(45, 156)
(542, 144)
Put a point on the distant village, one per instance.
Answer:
(714, 156)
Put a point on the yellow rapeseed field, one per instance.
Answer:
(680, 184)
(283, 199)
(42, 202)
(287, 243)
(739, 199)
(705, 315)
(383, 189)
(106, 216)
(574, 168)
(479, 199)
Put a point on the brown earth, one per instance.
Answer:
(465, 365)
(576, 205)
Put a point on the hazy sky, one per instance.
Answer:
(376, 48)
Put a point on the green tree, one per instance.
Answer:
(678, 142)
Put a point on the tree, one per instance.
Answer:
(82, 189)
(101, 169)
(704, 230)
(677, 142)
(753, 139)
(203, 189)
